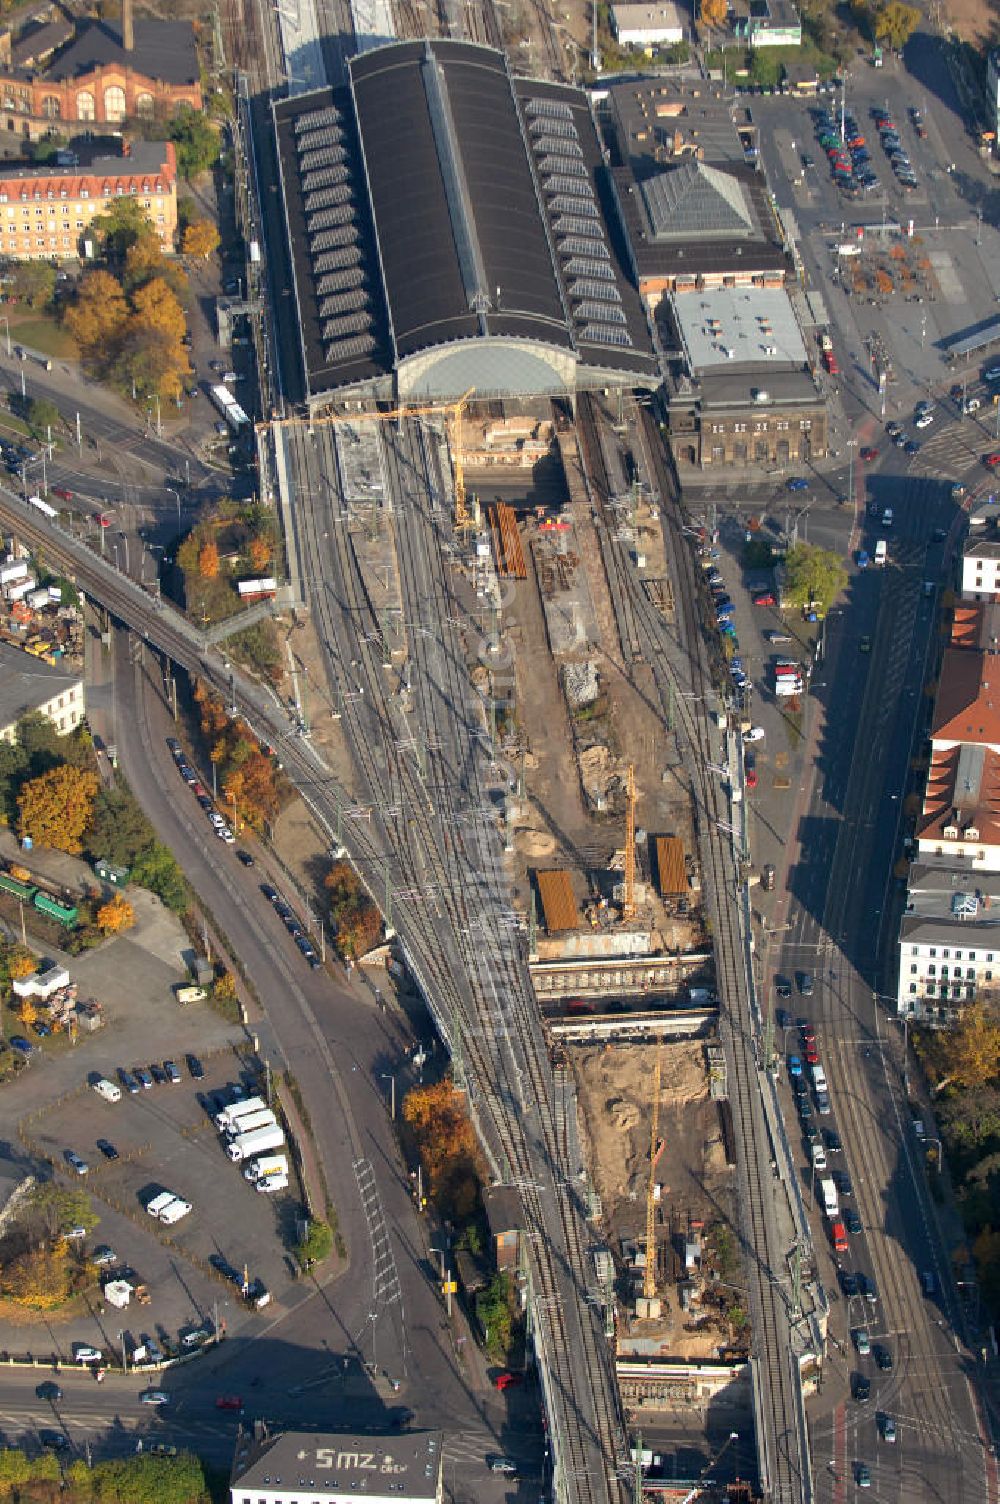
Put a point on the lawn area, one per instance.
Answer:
(40, 333)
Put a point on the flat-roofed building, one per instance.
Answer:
(315, 1467)
(660, 24)
(28, 684)
(741, 389)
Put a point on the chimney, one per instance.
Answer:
(128, 35)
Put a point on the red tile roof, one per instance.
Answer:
(968, 703)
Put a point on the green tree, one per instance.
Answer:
(813, 576)
(317, 1244)
(13, 765)
(33, 282)
(156, 869)
(196, 140)
(118, 829)
(123, 226)
(15, 1469)
(895, 23)
(42, 414)
(493, 1308)
(139, 1479)
(52, 1208)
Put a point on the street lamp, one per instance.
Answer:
(387, 1076)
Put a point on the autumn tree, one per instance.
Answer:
(259, 552)
(27, 1012)
(356, 921)
(37, 1278)
(208, 560)
(55, 809)
(895, 23)
(116, 915)
(156, 305)
(225, 987)
(437, 1117)
(98, 315)
(21, 963)
(201, 238)
(970, 1052)
(714, 12)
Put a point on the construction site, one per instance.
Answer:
(597, 816)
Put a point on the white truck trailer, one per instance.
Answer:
(230, 1116)
(264, 1118)
(249, 1145)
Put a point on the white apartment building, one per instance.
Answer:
(949, 940)
(27, 683)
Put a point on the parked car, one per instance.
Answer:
(80, 1166)
(107, 1148)
(154, 1397)
(103, 1255)
(195, 1068)
(22, 1045)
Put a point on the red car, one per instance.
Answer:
(229, 1402)
(103, 521)
(751, 778)
(764, 598)
(869, 454)
(992, 460)
(62, 493)
(808, 1033)
(812, 1054)
(508, 1380)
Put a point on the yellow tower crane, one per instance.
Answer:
(628, 907)
(655, 1150)
(452, 412)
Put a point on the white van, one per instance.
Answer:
(108, 1090)
(881, 551)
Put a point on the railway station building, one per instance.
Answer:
(451, 228)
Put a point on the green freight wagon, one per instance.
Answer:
(64, 914)
(24, 891)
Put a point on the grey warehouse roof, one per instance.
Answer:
(27, 683)
(317, 1465)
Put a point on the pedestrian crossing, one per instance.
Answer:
(950, 450)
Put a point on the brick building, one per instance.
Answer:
(741, 390)
(105, 75)
(45, 209)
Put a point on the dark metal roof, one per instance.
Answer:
(343, 327)
(163, 50)
(463, 247)
(609, 323)
(464, 206)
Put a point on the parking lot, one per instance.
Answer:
(165, 1139)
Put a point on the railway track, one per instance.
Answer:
(450, 906)
(782, 1443)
